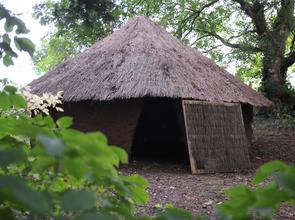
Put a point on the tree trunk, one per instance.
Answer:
(274, 71)
(274, 83)
(273, 79)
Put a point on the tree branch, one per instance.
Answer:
(289, 60)
(198, 12)
(256, 13)
(226, 42)
(212, 48)
(241, 34)
(199, 38)
(194, 15)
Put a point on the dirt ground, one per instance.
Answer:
(173, 183)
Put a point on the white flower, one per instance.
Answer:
(42, 103)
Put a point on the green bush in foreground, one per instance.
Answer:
(50, 171)
(261, 202)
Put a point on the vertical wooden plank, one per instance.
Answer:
(216, 136)
(191, 158)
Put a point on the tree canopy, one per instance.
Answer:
(77, 25)
(258, 33)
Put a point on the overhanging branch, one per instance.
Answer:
(212, 48)
(227, 42)
(193, 16)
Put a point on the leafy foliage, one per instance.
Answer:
(11, 23)
(54, 50)
(66, 172)
(261, 202)
(78, 23)
(250, 72)
(200, 22)
(28, 103)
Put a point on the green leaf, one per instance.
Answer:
(137, 189)
(8, 98)
(18, 101)
(53, 146)
(267, 170)
(175, 214)
(10, 156)
(138, 180)
(49, 122)
(7, 214)
(77, 200)
(10, 89)
(139, 195)
(8, 142)
(3, 12)
(58, 185)
(7, 61)
(21, 126)
(287, 181)
(43, 163)
(24, 44)
(238, 191)
(96, 216)
(5, 47)
(64, 122)
(4, 101)
(6, 38)
(122, 155)
(21, 27)
(12, 21)
(30, 199)
(98, 136)
(9, 24)
(75, 167)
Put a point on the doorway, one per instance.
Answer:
(159, 133)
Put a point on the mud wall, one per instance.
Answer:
(117, 119)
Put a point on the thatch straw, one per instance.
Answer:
(142, 59)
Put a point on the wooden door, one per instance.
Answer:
(216, 136)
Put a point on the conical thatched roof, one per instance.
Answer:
(142, 59)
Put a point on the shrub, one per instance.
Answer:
(48, 169)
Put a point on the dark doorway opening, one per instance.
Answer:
(160, 132)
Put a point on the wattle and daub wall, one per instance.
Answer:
(147, 127)
(116, 119)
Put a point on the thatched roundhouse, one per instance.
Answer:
(134, 85)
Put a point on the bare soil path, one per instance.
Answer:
(173, 183)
